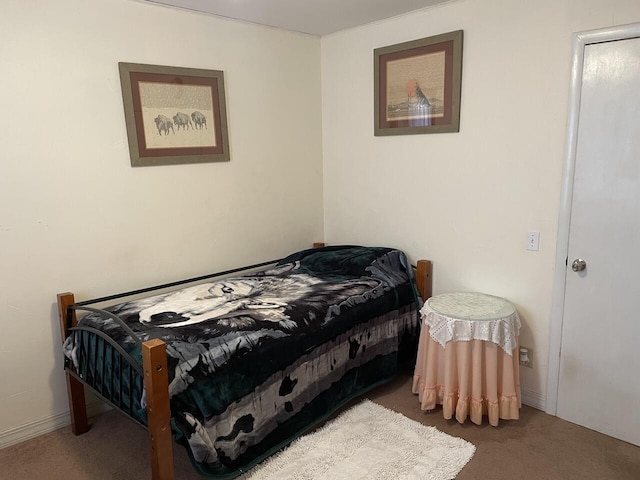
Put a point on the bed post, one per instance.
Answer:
(318, 244)
(423, 278)
(75, 388)
(156, 384)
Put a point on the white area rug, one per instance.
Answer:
(369, 442)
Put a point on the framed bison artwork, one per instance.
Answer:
(417, 86)
(174, 115)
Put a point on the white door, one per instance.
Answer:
(599, 371)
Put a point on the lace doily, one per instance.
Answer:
(465, 316)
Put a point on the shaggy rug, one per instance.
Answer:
(368, 442)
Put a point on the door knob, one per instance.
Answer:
(578, 265)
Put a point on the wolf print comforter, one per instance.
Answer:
(254, 360)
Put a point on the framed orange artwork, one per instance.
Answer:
(417, 86)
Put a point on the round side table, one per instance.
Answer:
(467, 357)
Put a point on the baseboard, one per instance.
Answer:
(533, 399)
(47, 424)
(95, 407)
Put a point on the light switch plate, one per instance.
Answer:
(533, 241)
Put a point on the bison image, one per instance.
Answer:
(199, 120)
(182, 120)
(164, 124)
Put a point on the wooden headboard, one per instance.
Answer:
(423, 274)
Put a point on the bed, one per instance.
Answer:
(237, 367)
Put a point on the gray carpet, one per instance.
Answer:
(537, 446)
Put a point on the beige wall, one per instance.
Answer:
(75, 216)
(467, 199)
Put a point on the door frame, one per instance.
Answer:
(580, 41)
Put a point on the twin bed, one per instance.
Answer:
(235, 369)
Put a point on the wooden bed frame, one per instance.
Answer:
(156, 382)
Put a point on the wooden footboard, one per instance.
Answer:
(156, 382)
(75, 388)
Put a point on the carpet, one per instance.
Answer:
(368, 442)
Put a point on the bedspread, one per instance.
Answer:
(253, 360)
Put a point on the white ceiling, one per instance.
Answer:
(316, 17)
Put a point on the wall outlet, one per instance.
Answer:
(526, 357)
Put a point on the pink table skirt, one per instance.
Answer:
(470, 379)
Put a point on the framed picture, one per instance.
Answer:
(174, 115)
(417, 86)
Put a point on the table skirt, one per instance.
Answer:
(468, 378)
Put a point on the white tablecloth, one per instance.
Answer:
(466, 316)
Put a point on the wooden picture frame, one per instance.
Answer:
(417, 86)
(174, 115)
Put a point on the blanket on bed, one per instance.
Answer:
(254, 359)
